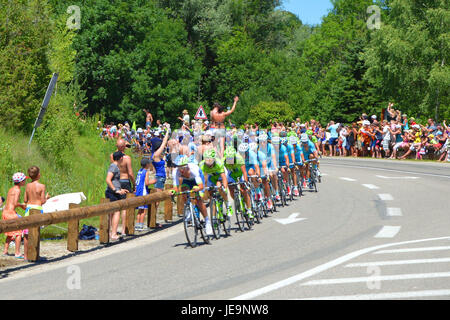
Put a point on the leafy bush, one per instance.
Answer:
(265, 112)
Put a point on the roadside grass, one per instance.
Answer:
(87, 173)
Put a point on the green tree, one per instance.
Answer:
(265, 113)
(407, 58)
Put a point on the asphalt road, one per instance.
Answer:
(375, 230)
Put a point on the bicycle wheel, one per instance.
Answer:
(238, 212)
(281, 191)
(190, 226)
(226, 222)
(244, 215)
(215, 223)
(299, 183)
(291, 184)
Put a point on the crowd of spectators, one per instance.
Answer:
(395, 136)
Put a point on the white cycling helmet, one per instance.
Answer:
(243, 147)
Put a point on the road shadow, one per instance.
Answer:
(6, 271)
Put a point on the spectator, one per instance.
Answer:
(9, 212)
(114, 191)
(333, 138)
(35, 197)
(185, 117)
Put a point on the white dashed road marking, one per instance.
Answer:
(388, 232)
(371, 186)
(347, 179)
(385, 197)
(394, 212)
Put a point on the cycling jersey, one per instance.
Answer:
(251, 159)
(310, 150)
(290, 150)
(234, 168)
(261, 158)
(213, 172)
(298, 153)
(283, 153)
(195, 176)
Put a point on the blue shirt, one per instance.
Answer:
(283, 153)
(291, 153)
(298, 153)
(333, 130)
(141, 188)
(251, 159)
(308, 150)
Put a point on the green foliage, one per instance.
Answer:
(23, 61)
(265, 113)
(131, 56)
(407, 58)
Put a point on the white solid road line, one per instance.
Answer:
(388, 295)
(347, 179)
(388, 232)
(371, 186)
(378, 278)
(396, 262)
(413, 250)
(324, 267)
(385, 197)
(394, 212)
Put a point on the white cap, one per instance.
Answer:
(374, 117)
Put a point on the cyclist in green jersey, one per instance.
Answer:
(215, 174)
(235, 165)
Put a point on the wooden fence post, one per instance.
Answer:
(72, 231)
(168, 206)
(180, 205)
(34, 240)
(130, 219)
(151, 217)
(104, 225)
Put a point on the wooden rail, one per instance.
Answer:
(35, 220)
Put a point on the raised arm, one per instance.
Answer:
(236, 99)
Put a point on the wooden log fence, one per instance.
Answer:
(75, 213)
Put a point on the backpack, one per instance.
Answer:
(87, 233)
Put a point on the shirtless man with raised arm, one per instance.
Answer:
(148, 119)
(218, 117)
(127, 180)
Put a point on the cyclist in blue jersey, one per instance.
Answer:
(266, 146)
(283, 159)
(309, 153)
(291, 154)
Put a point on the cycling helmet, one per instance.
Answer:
(304, 138)
(309, 132)
(283, 134)
(181, 161)
(209, 154)
(230, 152)
(291, 134)
(263, 137)
(243, 147)
(293, 140)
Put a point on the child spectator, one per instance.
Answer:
(9, 212)
(142, 182)
(35, 197)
